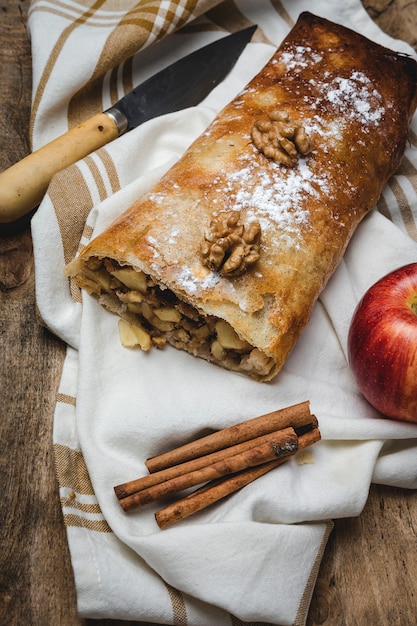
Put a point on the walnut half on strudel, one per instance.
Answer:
(226, 255)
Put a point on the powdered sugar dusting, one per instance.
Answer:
(352, 97)
(173, 239)
(191, 283)
(328, 130)
(275, 196)
(355, 98)
(281, 198)
(300, 57)
(154, 245)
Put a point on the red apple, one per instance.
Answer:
(382, 344)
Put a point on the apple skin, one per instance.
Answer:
(382, 344)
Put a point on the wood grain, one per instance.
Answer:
(369, 572)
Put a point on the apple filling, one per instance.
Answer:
(152, 315)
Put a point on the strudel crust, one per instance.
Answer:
(353, 100)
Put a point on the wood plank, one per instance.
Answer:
(369, 572)
(36, 585)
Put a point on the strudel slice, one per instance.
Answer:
(227, 254)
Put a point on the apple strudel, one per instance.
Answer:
(227, 254)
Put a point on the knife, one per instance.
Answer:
(183, 84)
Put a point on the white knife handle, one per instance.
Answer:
(23, 185)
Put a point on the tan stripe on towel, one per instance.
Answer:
(66, 399)
(54, 57)
(178, 606)
(72, 502)
(72, 473)
(111, 170)
(71, 470)
(87, 234)
(98, 178)
(101, 526)
(408, 170)
(71, 12)
(131, 35)
(403, 207)
(72, 203)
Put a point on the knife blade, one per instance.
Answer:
(182, 84)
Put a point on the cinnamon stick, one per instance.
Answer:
(127, 489)
(285, 443)
(297, 415)
(216, 490)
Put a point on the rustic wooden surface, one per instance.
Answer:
(369, 571)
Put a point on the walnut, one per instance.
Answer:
(230, 247)
(280, 139)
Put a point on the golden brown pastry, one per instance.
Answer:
(227, 254)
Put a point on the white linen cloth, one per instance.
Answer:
(253, 557)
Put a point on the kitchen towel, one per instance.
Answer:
(254, 557)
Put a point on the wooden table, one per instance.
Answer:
(369, 572)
